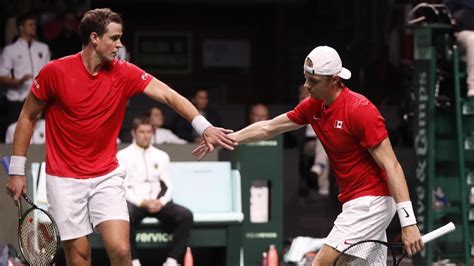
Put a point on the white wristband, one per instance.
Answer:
(200, 124)
(17, 165)
(406, 214)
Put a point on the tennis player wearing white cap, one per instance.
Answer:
(371, 181)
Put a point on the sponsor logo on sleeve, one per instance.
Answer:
(36, 83)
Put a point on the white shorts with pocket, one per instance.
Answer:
(363, 218)
(79, 205)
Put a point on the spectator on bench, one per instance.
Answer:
(39, 131)
(258, 112)
(148, 191)
(162, 135)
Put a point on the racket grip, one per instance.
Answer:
(6, 163)
(438, 232)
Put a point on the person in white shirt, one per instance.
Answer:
(39, 132)
(162, 135)
(149, 190)
(20, 62)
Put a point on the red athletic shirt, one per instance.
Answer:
(347, 129)
(84, 113)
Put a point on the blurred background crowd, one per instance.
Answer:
(225, 61)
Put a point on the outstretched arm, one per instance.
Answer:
(265, 129)
(161, 92)
(385, 157)
(257, 131)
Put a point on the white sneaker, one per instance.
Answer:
(136, 262)
(170, 262)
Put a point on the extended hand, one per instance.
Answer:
(201, 151)
(16, 186)
(411, 239)
(218, 136)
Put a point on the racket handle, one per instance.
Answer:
(6, 163)
(438, 232)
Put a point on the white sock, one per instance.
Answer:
(136, 262)
(171, 262)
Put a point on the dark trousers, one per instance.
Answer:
(173, 218)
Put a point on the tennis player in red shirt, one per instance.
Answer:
(370, 179)
(84, 97)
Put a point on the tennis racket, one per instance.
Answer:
(38, 234)
(375, 252)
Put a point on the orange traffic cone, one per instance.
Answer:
(188, 258)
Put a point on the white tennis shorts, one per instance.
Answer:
(362, 219)
(79, 205)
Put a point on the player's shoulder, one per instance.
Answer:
(356, 100)
(119, 64)
(64, 63)
(359, 107)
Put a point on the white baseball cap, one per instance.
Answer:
(326, 61)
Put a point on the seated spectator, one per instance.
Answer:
(149, 189)
(162, 135)
(183, 128)
(39, 133)
(258, 112)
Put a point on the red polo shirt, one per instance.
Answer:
(347, 129)
(84, 113)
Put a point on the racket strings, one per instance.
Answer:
(38, 238)
(367, 253)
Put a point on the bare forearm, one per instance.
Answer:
(397, 184)
(23, 133)
(265, 129)
(254, 132)
(9, 82)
